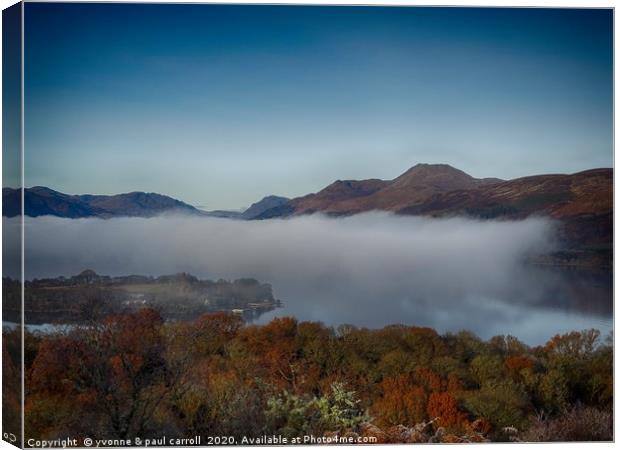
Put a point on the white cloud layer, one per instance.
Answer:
(370, 270)
(362, 248)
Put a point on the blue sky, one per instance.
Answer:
(222, 105)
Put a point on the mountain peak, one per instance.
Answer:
(432, 165)
(42, 190)
(425, 168)
(442, 176)
(267, 203)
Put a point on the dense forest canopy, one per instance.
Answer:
(136, 375)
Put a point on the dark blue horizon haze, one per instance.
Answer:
(220, 105)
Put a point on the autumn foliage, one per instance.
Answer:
(402, 402)
(444, 407)
(136, 375)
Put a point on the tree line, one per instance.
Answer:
(136, 375)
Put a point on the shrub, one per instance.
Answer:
(502, 403)
(402, 402)
(291, 415)
(578, 424)
(444, 407)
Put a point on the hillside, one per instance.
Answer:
(354, 196)
(582, 202)
(42, 201)
(267, 203)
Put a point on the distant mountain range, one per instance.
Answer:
(441, 190)
(42, 201)
(582, 202)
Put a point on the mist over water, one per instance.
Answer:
(369, 270)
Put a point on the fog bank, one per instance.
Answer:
(369, 270)
(368, 249)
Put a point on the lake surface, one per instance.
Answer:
(368, 270)
(541, 302)
(40, 328)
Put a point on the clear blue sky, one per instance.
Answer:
(221, 105)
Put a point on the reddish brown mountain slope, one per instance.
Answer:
(582, 202)
(340, 197)
(412, 187)
(557, 196)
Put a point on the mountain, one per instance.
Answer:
(42, 201)
(581, 202)
(558, 196)
(440, 190)
(267, 203)
(414, 186)
(255, 210)
(348, 197)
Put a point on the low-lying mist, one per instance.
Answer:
(369, 270)
(371, 249)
